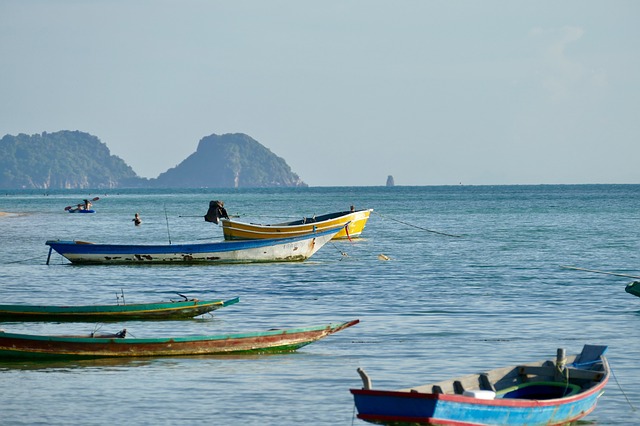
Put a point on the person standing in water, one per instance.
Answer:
(136, 220)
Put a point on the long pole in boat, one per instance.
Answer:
(167, 219)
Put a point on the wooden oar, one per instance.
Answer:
(600, 272)
(70, 207)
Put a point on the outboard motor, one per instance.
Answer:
(216, 211)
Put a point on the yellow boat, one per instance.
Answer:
(356, 219)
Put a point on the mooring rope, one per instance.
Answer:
(418, 227)
(599, 272)
(21, 260)
(343, 253)
(621, 390)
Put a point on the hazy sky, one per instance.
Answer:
(347, 92)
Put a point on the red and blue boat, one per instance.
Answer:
(546, 392)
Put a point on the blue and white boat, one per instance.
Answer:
(241, 251)
(538, 393)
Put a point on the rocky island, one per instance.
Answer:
(78, 160)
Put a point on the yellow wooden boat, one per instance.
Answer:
(356, 220)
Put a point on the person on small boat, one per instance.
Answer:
(216, 211)
(87, 205)
(137, 220)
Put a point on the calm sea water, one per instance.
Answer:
(441, 306)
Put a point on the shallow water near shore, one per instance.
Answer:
(490, 293)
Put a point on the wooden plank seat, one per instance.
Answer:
(547, 371)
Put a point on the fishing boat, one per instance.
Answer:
(633, 288)
(25, 346)
(352, 223)
(270, 250)
(81, 211)
(547, 392)
(84, 207)
(121, 312)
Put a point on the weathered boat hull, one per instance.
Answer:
(22, 346)
(293, 249)
(541, 399)
(353, 224)
(105, 313)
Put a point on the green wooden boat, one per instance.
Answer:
(103, 313)
(25, 346)
(633, 288)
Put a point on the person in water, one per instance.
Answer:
(136, 220)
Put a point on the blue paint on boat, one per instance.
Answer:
(237, 251)
(532, 399)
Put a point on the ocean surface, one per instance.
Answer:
(474, 281)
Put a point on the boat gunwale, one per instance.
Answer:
(329, 328)
(328, 217)
(228, 223)
(124, 308)
(497, 402)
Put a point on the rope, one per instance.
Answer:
(418, 227)
(566, 386)
(343, 253)
(621, 390)
(22, 260)
(599, 272)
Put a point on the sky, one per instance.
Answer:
(346, 92)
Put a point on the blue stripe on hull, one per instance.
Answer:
(71, 247)
(434, 409)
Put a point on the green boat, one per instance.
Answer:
(26, 346)
(633, 288)
(103, 313)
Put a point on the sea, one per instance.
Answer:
(446, 281)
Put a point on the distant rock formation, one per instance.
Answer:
(390, 181)
(61, 160)
(230, 161)
(77, 160)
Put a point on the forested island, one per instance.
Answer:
(230, 161)
(78, 160)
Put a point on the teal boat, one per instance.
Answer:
(37, 347)
(633, 288)
(104, 313)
